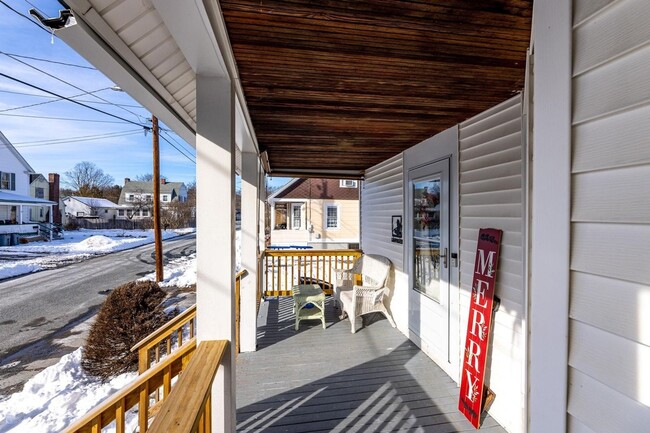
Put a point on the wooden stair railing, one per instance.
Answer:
(188, 408)
(138, 393)
(149, 348)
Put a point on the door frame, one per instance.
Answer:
(440, 147)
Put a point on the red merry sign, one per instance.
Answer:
(478, 325)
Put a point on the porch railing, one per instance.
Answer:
(285, 268)
(138, 394)
(188, 408)
(165, 339)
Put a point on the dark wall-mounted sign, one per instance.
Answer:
(472, 393)
(396, 229)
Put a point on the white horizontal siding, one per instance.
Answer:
(609, 344)
(381, 199)
(491, 196)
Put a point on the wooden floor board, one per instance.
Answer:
(330, 380)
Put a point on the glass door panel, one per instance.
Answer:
(426, 213)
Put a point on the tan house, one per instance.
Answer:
(321, 213)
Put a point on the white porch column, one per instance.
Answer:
(249, 245)
(262, 211)
(550, 217)
(20, 214)
(215, 240)
(51, 221)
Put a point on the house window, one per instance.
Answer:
(331, 216)
(165, 197)
(296, 216)
(41, 212)
(105, 210)
(131, 197)
(39, 193)
(8, 181)
(280, 216)
(347, 183)
(145, 212)
(129, 213)
(120, 212)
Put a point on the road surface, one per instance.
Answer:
(40, 313)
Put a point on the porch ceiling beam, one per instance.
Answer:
(321, 174)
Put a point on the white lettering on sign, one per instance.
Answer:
(474, 352)
(478, 321)
(472, 386)
(481, 286)
(485, 265)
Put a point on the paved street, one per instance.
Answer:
(41, 313)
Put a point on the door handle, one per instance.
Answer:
(444, 257)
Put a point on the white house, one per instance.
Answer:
(136, 197)
(531, 118)
(90, 207)
(17, 205)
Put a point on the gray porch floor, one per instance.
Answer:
(322, 380)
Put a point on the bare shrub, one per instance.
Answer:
(130, 313)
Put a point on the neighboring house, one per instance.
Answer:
(18, 206)
(90, 208)
(136, 198)
(323, 213)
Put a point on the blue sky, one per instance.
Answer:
(120, 149)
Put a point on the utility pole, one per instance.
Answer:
(156, 199)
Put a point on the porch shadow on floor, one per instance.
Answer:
(322, 380)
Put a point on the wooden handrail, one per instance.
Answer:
(188, 407)
(137, 393)
(163, 332)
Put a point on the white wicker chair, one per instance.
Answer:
(367, 298)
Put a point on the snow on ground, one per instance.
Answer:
(56, 397)
(76, 245)
(62, 393)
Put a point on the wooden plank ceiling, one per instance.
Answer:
(344, 85)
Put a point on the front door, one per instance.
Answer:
(428, 253)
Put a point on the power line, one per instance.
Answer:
(179, 151)
(24, 16)
(123, 134)
(166, 132)
(80, 100)
(78, 138)
(38, 59)
(69, 119)
(69, 84)
(72, 100)
(49, 102)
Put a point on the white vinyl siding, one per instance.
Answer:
(491, 196)
(609, 344)
(381, 198)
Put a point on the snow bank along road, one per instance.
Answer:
(38, 310)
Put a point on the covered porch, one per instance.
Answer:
(318, 379)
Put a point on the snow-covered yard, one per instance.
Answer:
(75, 246)
(62, 393)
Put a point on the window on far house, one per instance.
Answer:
(39, 193)
(145, 212)
(120, 212)
(280, 216)
(165, 197)
(105, 210)
(129, 213)
(131, 197)
(296, 214)
(7, 180)
(332, 216)
(347, 183)
(41, 212)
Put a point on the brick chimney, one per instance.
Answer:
(55, 194)
(126, 180)
(163, 181)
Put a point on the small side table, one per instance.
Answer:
(304, 294)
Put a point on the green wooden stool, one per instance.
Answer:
(304, 294)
